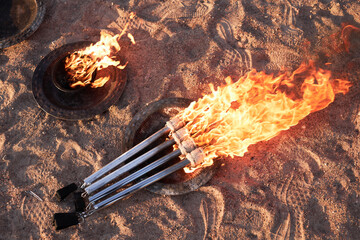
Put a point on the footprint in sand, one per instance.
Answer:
(291, 34)
(134, 22)
(163, 12)
(39, 213)
(290, 13)
(281, 229)
(294, 194)
(185, 9)
(211, 211)
(251, 219)
(233, 52)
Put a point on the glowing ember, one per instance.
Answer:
(82, 64)
(256, 108)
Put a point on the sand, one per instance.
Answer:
(302, 184)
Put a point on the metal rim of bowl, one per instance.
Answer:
(159, 187)
(43, 88)
(25, 33)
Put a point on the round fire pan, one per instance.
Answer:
(149, 120)
(19, 19)
(79, 103)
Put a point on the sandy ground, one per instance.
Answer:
(303, 184)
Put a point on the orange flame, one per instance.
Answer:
(256, 108)
(82, 64)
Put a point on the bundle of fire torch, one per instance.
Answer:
(106, 186)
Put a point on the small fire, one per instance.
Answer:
(257, 108)
(81, 65)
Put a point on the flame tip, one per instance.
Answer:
(81, 64)
(258, 107)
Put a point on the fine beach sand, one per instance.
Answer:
(302, 184)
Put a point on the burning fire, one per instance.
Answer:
(81, 65)
(256, 108)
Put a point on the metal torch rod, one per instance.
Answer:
(116, 186)
(117, 173)
(122, 158)
(142, 184)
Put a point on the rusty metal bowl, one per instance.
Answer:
(19, 19)
(149, 120)
(52, 95)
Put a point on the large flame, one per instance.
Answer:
(81, 65)
(257, 107)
